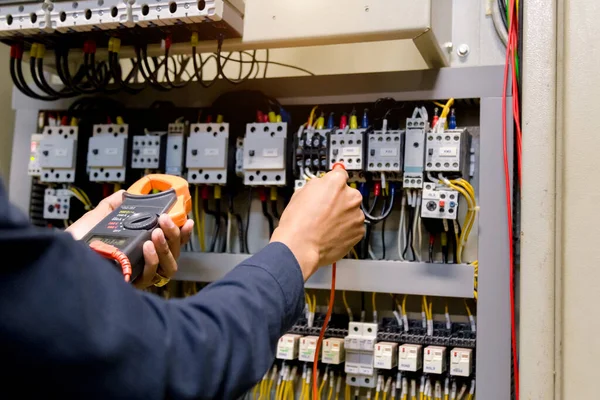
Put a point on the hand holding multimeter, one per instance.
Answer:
(121, 235)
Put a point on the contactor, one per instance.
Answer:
(57, 154)
(107, 153)
(265, 146)
(207, 153)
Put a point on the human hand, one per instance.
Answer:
(160, 253)
(322, 222)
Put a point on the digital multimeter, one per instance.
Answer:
(121, 235)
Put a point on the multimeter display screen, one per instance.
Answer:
(112, 240)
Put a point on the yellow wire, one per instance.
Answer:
(354, 253)
(446, 308)
(374, 301)
(468, 309)
(254, 394)
(345, 301)
(424, 306)
(117, 187)
(347, 392)
(199, 222)
(277, 391)
(321, 386)
(377, 395)
(466, 190)
(308, 301)
(431, 310)
(330, 395)
(312, 115)
(269, 388)
(404, 305)
(446, 109)
(437, 103)
(314, 303)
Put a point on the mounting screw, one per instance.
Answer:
(463, 50)
(448, 46)
(366, 8)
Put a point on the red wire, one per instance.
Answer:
(510, 61)
(322, 334)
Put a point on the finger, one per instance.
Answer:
(151, 264)
(171, 232)
(355, 197)
(339, 176)
(167, 264)
(112, 202)
(186, 231)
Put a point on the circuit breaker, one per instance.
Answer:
(57, 154)
(410, 357)
(288, 347)
(386, 355)
(148, 151)
(33, 169)
(448, 152)
(461, 362)
(333, 351)
(439, 202)
(174, 157)
(107, 153)
(265, 154)
(307, 348)
(434, 360)
(207, 153)
(346, 146)
(414, 149)
(57, 203)
(384, 151)
(360, 347)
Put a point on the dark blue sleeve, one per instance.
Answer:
(72, 328)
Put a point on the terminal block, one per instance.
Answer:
(148, 151)
(57, 203)
(461, 362)
(57, 154)
(434, 360)
(439, 202)
(207, 153)
(89, 15)
(346, 147)
(33, 169)
(176, 134)
(414, 149)
(307, 348)
(448, 152)
(385, 151)
(288, 347)
(107, 153)
(265, 149)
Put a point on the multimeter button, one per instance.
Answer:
(141, 221)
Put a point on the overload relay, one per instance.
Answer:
(265, 146)
(148, 151)
(346, 147)
(414, 148)
(176, 134)
(57, 154)
(439, 202)
(311, 150)
(448, 152)
(385, 151)
(57, 203)
(107, 153)
(207, 153)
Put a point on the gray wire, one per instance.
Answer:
(499, 25)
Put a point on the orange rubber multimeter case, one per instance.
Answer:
(121, 235)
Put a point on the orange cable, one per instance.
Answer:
(112, 253)
(315, 389)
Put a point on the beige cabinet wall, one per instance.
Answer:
(7, 115)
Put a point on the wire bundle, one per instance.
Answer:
(163, 73)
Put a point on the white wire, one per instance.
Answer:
(228, 237)
(432, 178)
(416, 228)
(424, 114)
(371, 254)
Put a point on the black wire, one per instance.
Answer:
(266, 63)
(275, 63)
(142, 52)
(502, 7)
(248, 219)
(226, 219)
(47, 90)
(217, 218)
(220, 66)
(411, 213)
(268, 216)
(16, 73)
(240, 225)
(431, 244)
(383, 239)
(116, 71)
(66, 74)
(167, 74)
(274, 210)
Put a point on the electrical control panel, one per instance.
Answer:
(33, 168)
(57, 154)
(265, 146)
(207, 153)
(434, 360)
(307, 348)
(288, 347)
(174, 157)
(461, 362)
(386, 355)
(410, 357)
(448, 152)
(107, 153)
(346, 146)
(57, 203)
(333, 351)
(439, 202)
(385, 151)
(414, 149)
(148, 151)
